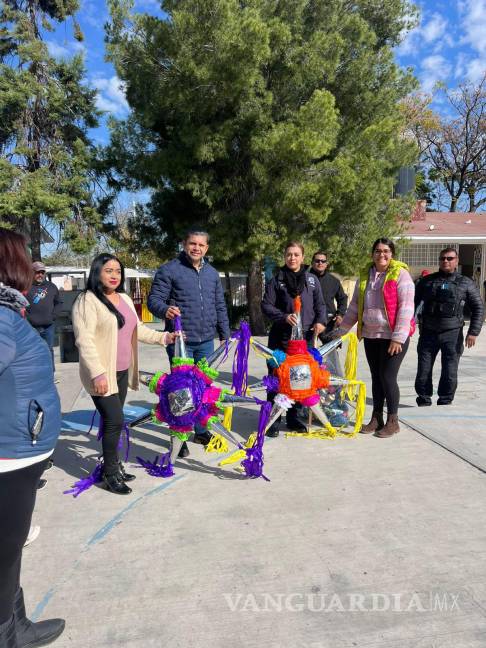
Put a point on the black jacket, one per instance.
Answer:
(440, 299)
(335, 298)
(277, 304)
(44, 303)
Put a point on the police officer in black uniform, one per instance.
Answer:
(440, 299)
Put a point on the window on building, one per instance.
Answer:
(424, 254)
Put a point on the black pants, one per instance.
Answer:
(111, 411)
(451, 345)
(18, 490)
(384, 372)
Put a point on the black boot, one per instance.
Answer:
(295, 425)
(115, 484)
(8, 638)
(125, 476)
(29, 634)
(274, 429)
(184, 451)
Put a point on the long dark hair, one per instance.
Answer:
(94, 283)
(15, 264)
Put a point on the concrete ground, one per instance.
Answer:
(375, 543)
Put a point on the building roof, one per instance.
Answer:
(450, 226)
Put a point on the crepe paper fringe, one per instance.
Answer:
(270, 383)
(277, 359)
(207, 370)
(181, 362)
(228, 418)
(177, 324)
(283, 401)
(156, 468)
(83, 485)
(316, 355)
(351, 364)
(253, 462)
(240, 454)
(311, 400)
(240, 360)
(217, 444)
(154, 381)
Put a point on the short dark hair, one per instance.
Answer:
(384, 241)
(319, 252)
(295, 244)
(15, 263)
(94, 283)
(448, 249)
(196, 231)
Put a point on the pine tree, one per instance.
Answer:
(45, 113)
(263, 120)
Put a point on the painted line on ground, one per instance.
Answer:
(96, 537)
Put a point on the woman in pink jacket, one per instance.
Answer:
(383, 307)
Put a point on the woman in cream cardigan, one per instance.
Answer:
(107, 331)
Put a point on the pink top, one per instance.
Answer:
(375, 322)
(124, 344)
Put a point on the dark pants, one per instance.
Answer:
(384, 372)
(111, 411)
(451, 345)
(198, 351)
(18, 490)
(47, 334)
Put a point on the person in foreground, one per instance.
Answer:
(107, 331)
(383, 307)
(31, 420)
(440, 299)
(292, 281)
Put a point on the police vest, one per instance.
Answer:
(443, 304)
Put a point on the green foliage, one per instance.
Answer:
(263, 120)
(46, 159)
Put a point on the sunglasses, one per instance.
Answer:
(447, 258)
(320, 260)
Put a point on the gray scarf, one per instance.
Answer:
(13, 299)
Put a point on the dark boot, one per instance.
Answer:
(392, 427)
(29, 634)
(125, 476)
(203, 438)
(376, 423)
(8, 638)
(184, 451)
(274, 429)
(115, 484)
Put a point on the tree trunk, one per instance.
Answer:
(453, 204)
(254, 293)
(228, 288)
(471, 192)
(35, 238)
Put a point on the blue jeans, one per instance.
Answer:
(47, 334)
(198, 351)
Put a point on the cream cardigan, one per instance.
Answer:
(96, 332)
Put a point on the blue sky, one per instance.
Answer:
(448, 45)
